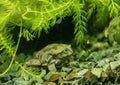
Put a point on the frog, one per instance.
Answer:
(52, 55)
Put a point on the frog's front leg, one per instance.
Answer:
(49, 61)
(52, 68)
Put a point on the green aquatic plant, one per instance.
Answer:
(33, 16)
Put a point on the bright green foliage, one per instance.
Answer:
(80, 22)
(6, 11)
(6, 43)
(41, 14)
(114, 29)
(114, 9)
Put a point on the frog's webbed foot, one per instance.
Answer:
(52, 68)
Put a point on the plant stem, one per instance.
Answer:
(14, 54)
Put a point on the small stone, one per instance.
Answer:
(114, 64)
(81, 73)
(97, 71)
(49, 83)
(71, 75)
(117, 56)
(55, 76)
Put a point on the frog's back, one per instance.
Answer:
(52, 49)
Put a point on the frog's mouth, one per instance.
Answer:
(64, 55)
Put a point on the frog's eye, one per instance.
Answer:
(65, 50)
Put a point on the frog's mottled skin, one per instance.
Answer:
(52, 54)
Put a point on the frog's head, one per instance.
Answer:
(66, 51)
